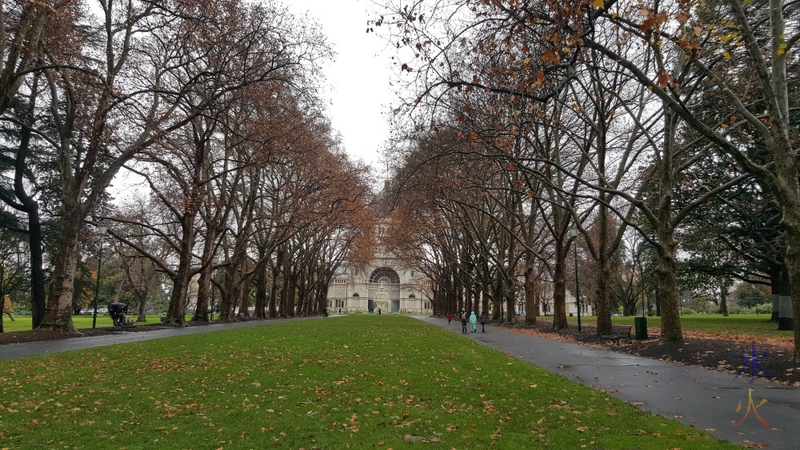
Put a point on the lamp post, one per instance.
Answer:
(574, 233)
(102, 229)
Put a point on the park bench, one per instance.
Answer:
(618, 333)
(119, 316)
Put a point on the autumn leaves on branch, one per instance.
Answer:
(211, 109)
(597, 116)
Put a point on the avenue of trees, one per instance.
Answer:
(202, 117)
(658, 137)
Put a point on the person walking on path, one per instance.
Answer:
(463, 317)
(483, 322)
(449, 318)
(473, 321)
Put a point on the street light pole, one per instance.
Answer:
(574, 233)
(102, 229)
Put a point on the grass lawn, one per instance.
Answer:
(359, 381)
(734, 326)
(23, 323)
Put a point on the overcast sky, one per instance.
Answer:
(359, 77)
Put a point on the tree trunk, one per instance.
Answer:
(723, 298)
(31, 207)
(292, 296)
(604, 250)
(203, 295)
(261, 290)
(497, 300)
(467, 297)
(560, 289)
(273, 289)
(229, 298)
(484, 302)
(775, 286)
(531, 291)
(792, 261)
(322, 299)
(58, 313)
(665, 233)
(244, 300)
(603, 291)
(785, 316)
(141, 311)
(668, 287)
(37, 271)
(176, 313)
(511, 297)
(2, 295)
(791, 220)
(286, 305)
(458, 292)
(204, 281)
(302, 300)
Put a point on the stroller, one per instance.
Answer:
(119, 314)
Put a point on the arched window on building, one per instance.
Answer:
(384, 275)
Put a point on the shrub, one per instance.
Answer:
(735, 309)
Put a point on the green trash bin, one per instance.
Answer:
(640, 323)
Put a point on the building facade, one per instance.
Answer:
(383, 286)
(386, 285)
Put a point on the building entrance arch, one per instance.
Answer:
(384, 290)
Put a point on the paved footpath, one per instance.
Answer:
(702, 398)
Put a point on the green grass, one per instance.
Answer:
(23, 323)
(349, 382)
(734, 326)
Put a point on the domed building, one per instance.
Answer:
(385, 284)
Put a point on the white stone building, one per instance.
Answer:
(385, 284)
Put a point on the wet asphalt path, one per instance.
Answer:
(702, 398)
